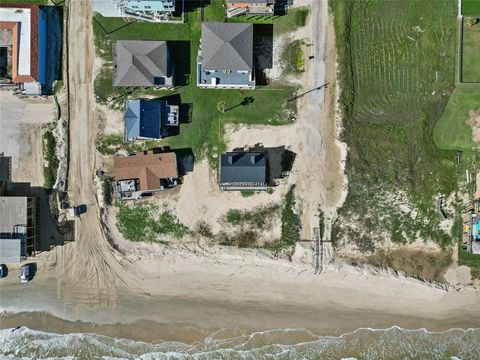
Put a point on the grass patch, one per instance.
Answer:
(29, 2)
(260, 218)
(107, 190)
(470, 7)
(247, 226)
(291, 21)
(290, 221)
(147, 222)
(51, 160)
(292, 57)
(203, 133)
(452, 131)
(109, 144)
(471, 52)
(247, 193)
(470, 260)
(423, 264)
(397, 69)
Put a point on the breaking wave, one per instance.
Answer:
(392, 343)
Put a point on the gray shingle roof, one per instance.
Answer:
(227, 46)
(138, 63)
(243, 167)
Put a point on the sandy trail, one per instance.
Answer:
(317, 172)
(88, 269)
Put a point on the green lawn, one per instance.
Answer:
(471, 260)
(397, 67)
(295, 18)
(471, 53)
(204, 133)
(452, 131)
(33, 2)
(470, 7)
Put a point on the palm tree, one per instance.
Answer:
(222, 106)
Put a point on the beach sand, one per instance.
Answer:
(193, 293)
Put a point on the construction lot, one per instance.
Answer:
(21, 127)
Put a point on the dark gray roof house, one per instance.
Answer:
(225, 58)
(142, 64)
(243, 171)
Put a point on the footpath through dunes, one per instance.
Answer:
(397, 70)
(88, 269)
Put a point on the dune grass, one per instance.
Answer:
(397, 66)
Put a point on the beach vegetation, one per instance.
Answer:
(148, 222)
(390, 108)
(292, 57)
(107, 190)
(51, 161)
(290, 221)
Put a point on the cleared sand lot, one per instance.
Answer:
(21, 122)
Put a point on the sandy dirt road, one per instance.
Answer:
(88, 269)
(318, 171)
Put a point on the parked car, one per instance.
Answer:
(3, 270)
(25, 273)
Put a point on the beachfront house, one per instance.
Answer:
(225, 56)
(243, 170)
(250, 7)
(144, 173)
(142, 64)
(150, 119)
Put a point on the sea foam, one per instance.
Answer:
(395, 342)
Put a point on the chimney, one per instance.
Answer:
(253, 159)
(230, 159)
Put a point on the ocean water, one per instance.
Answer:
(392, 343)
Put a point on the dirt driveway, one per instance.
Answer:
(21, 123)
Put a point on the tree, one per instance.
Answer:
(222, 106)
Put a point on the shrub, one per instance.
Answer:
(50, 171)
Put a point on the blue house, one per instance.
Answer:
(150, 119)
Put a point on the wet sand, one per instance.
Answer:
(191, 297)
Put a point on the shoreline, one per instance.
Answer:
(193, 295)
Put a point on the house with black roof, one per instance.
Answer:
(243, 171)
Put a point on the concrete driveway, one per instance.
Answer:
(21, 122)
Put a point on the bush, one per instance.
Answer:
(300, 18)
(50, 171)
(146, 222)
(107, 190)
(110, 144)
(290, 220)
